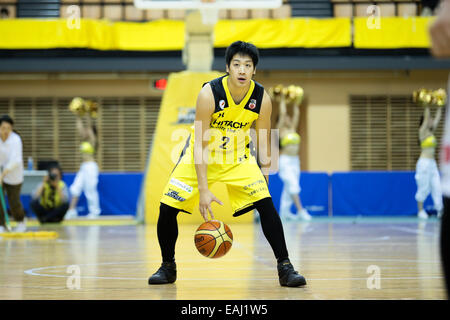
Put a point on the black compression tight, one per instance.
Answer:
(272, 227)
(167, 229)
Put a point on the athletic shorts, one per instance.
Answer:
(244, 181)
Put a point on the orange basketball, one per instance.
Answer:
(213, 239)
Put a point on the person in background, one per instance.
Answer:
(86, 179)
(4, 13)
(289, 165)
(11, 176)
(50, 200)
(440, 48)
(427, 173)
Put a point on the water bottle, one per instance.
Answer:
(30, 163)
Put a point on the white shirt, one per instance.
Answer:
(11, 159)
(445, 152)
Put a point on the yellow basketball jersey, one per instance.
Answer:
(229, 129)
(231, 157)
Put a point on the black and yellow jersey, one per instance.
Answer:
(230, 159)
(229, 128)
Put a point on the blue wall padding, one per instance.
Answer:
(119, 193)
(369, 193)
(365, 193)
(314, 192)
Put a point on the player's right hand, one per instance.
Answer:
(206, 199)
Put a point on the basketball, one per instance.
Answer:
(213, 239)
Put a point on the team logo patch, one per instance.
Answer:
(222, 104)
(181, 185)
(174, 194)
(252, 104)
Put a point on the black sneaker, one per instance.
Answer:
(167, 273)
(288, 276)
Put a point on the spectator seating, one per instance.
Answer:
(124, 10)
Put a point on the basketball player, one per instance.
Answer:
(226, 109)
(440, 47)
(86, 179)
(427, 173)
(289, 169)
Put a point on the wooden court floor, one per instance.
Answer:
(340, 258)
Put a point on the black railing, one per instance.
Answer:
(37, 8)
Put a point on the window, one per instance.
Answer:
(384, 132)
(125, 130)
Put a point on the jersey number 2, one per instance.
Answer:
(225, 141)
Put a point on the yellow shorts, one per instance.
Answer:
(245, 185)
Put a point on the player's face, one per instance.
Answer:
(241, 69)
(5, 130)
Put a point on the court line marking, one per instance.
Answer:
(245, 279)
(414, 231)
(34, 272)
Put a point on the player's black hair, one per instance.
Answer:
(6, 118)
(244, 48)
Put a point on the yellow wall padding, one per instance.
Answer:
(155, 36)
(169, 34)
(285, 33)
(172, 130)
(392, 32)
(48, 34)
